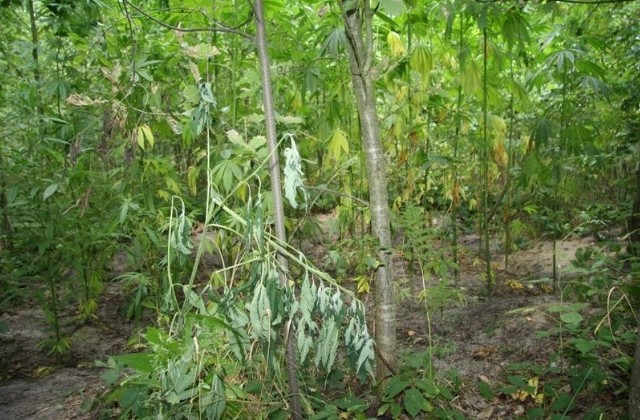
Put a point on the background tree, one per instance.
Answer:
(358, 21)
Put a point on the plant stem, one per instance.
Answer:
(274, 170)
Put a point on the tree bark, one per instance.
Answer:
(274, 170)
(360, 50)
(634, 220)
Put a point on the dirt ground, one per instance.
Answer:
(483, 336)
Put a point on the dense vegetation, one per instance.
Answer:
(133, 127)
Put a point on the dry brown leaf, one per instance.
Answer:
(483, 353)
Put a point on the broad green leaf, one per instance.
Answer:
(428, 387)
(138, 361)
(49, 191)
(396, 385)
(414, 401)
(584, 346)
(571, 317)
(191, 94)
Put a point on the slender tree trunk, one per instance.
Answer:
(485, 166)
(36, 63)
(634, 220)
(360, 50)
(274, 170)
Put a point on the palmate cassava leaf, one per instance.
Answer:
(519, 94)
(227, 174)
(470, 77)
(338, 145)
(421, 60)
(395, 44)
(335, 39)
(515, 28)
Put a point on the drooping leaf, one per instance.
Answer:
(421, 61)
(396, 46)
(515, 28)
(293, 176)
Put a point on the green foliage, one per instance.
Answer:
(420, 237)
(416, 394)
(119, 136)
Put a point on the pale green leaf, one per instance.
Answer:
(191, 94)
(293, 176)
(49, 191)
(393, 7)
(571, 317)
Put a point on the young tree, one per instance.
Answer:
(357, 17)
(274, 170)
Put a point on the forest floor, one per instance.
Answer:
(477, 340)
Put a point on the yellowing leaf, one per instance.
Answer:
(470, 78)
(421, 61)
(338, 145)
(234, 136)
(194, 71)
(42, 372)
(82, 100)
(515, 285)
(395, 44)
(364, 285)
(148, 135)
(192, 177)
(143, 135)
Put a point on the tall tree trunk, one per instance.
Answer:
(360, 50)
(34, 52)
(274, 170)
(634, 220)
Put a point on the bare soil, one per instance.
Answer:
(478, 340)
